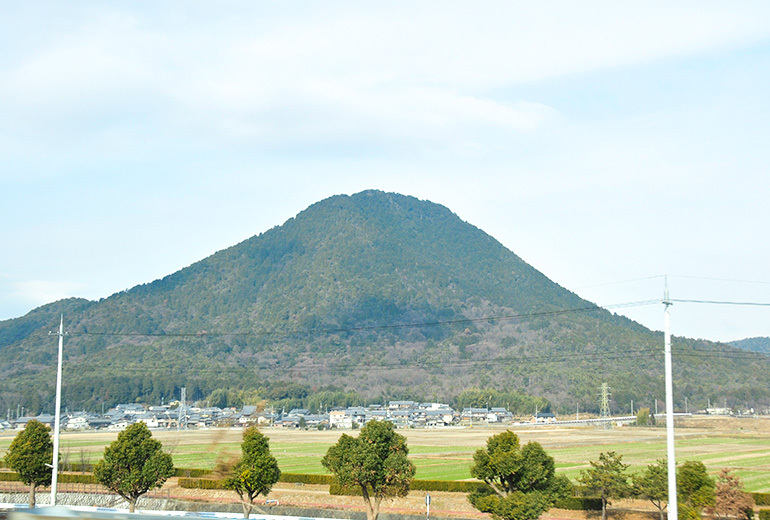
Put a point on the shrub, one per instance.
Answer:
(336, 489)
(764, 514)
(761, 499)
(201, 483)
(305, 478)
(452, 486)
(8, 476)
(580, 504)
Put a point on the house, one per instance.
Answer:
(474, 415)
(340, 419)
(499, 415)
(543, 417)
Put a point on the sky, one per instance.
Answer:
(605, 143)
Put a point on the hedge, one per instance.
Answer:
(764, 514)
(8, 476)
(761, 499)
(336, 489)
(201, 483)
(571, 503)
(453, 486)
(304, 478)
(579, 504)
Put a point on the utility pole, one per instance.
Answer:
(57, 417)
(671, 455)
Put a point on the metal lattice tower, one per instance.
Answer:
(604, 410)
(182, 422)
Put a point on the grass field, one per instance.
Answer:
(447, 454)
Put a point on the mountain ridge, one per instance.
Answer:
(375, 292)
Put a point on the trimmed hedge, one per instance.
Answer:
(9, 476)
(201, 483)
(453, 486)
(761, 499)
(69, 478)
(336, 489)
(764, 514)
(579, 504)
(305, 478)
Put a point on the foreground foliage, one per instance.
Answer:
(134, 464)
(652, 485)
(375, 461)
(28, 455)
(256, 471)
(607, 479)
(521, 480)
(730, 500)
(695, 489)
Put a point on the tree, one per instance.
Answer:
(730, 500)
(694, 489)
(28, 454)
(644, 417)
(375, 461)
(522, 482)
(256, 472)
(606, 478)
(652, 485)
(134, 464)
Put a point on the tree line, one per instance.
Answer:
(521, 481)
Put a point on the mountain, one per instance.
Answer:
(379, 293)
(761, 345)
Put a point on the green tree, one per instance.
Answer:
(644, 417)
(522, 481)
(256, 472)
(376, 461)
(134, 464)
(730, 500)
(652, 485)
(694, 488)
(606, 479)
(28, 454)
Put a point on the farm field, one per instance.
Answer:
(447, 454)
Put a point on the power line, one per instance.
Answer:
(715, 302)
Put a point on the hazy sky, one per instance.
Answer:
(599, 141)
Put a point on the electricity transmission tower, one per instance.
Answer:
(604, 409)
(182, 422)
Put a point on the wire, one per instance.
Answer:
(713, 302)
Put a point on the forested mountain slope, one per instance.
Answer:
(377, 292)
(760, 344)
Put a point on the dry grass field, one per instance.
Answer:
(446, 454)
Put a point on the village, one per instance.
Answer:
(403, 414)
